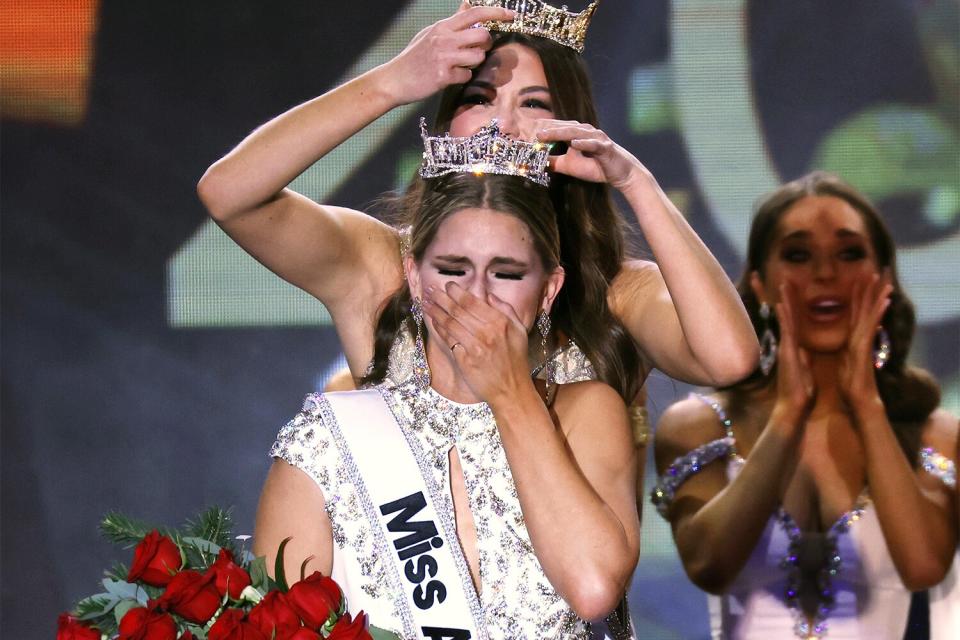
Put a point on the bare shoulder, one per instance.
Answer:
(940, 432)
(591, 408)
(684, 426)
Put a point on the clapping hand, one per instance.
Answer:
(870, 300)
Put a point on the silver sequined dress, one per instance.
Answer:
(516, 599)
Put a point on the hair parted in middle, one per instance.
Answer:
(592, 233)
(591, 324)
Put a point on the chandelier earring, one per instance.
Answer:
(421, 370)
(881, 348)
(768, 342)
(543, 326)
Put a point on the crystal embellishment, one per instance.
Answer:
(486, 151)
(539, 19)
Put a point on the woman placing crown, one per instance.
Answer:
(457, 504)
(683, 317)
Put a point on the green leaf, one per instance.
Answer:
(278, 572)
(214, 525)
(122, 530)
(381, 634)
(258, 574)
(95, 606)
(121, 589)
(122, 608)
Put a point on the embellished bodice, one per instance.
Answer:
(515, 598)
(840, 583)
(568, 363)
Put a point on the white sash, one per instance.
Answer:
(418, 541)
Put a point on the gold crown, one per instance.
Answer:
(535, 18)
(486, 151)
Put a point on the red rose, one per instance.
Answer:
(192, 595)
(347, 630)
(274, 613)
(187, 635)
(314, 599)
(231, 626)
(229, 577)
(144, 624)
(303, 634)
(69, 628)
(155, 560)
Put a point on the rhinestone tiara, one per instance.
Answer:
(536, 18)
(486, 151)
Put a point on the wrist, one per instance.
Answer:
(515, 400)
(382, 84)
(787, 418)
(868, 410)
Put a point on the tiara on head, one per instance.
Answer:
(536, 18)
(486, 151)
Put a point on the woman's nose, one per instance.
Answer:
(508, 121)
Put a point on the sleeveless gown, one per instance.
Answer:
(838, 584)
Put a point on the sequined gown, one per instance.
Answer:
(515, 598)
(569, 364)
(853, 588)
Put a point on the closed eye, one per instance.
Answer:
(452, 272)
(508, 276)
(536, 103)
(474, 99)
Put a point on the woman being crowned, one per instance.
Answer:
(459, 503)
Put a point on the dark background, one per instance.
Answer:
(105, 405)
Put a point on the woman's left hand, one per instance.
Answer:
(870, 299)
(486, 337)
(592, 155)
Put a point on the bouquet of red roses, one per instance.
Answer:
(195, 583)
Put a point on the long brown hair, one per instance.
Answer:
(589, 323)
(592, 233)
(909, 393)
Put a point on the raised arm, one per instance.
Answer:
(347, 260)
(575, 477)
(716, 524)
(685, 315)
(917, 510)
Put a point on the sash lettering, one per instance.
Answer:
(442, 633)
(422, 536)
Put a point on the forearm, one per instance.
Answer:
(920, 536)
(716, 541)
(565, 517)
(274, 154)
(715, 325)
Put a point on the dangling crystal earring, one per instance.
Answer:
(544, 325)
(881, 349)
(421, 371)
(768, 342)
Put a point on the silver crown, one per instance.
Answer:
(535, 18)
(486, 151)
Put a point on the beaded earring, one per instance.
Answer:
(768, 342)
(421, 370)
(544, 325)
(881, 349)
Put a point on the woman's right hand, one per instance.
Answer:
(443, 53)
(796, 389)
